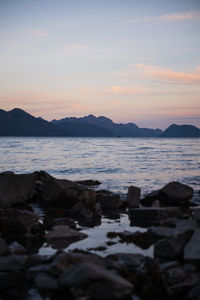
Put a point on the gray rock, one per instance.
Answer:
(15, 189)
(98, 282)
(17, 248)
(17, 224)
(61, 236)
(178, 227)
(175, 194)
(175, 275)
(4, 249)
(150, 198)
(12, 262)
(45, 282)
(192, 249)
(170, 249)
(133, 197)
(108, 200)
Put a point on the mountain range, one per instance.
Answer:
(17, 122)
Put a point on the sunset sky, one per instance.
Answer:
(129, 60)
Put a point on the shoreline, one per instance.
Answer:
(169, 223)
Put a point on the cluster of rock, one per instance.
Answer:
(173, 227)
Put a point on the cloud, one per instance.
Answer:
(137, 90)
(76, 46)
(174, 17)
(38, 33)
(168, 75)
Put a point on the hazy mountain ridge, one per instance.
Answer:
(18, 122)
(181, 131)
(115, 129)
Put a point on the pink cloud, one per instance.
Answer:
(173, 17)
(168, 75)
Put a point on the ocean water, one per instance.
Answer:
(148, 163)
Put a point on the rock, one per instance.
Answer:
(4, 249)
(175, 194)
(150, 198)
(45, 282)
(133, 197)
(196, 214)
(12, 262)
(171, 248)
(89, 182)
(192, 249)
(18, 225)
(96, 281)
(175, 275)
(181, 288)
(168, 265)
(142, 272)
(109, 200)
(15, 189)
(61, 236)
(147, 216)
(16, 248)
(142, 239)
(174, 227)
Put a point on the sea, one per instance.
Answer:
(117, 163)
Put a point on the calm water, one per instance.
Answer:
(116, 162)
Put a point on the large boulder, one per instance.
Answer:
(192, 249)
(96, 282)
(16, 188)
(17, 225)
(61, 236)
(171, 248)
(175, 194)
(109, 200)
(133, 197)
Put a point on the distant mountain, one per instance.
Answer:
(17, 122)
(181, 131)
(103, 123)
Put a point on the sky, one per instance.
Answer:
(129, 60)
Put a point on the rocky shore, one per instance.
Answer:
(170, 217)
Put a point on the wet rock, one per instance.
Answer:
(175, 275)
(99, 248)
(18, 225)
(150, 198)
(181, 288)
(45, 282)
(61, 236)
(64, 261)
(17, 248)
(147, 216)
(109, 200)
(168, 265)
(171, 248)
(12, 262)
(196, 214)
(15, 188)
(175, 194)
(142, 239)
(142, 272)
(96, 281)
(133, 197)
(192, 249)
(89, 182)
(4, 249)
(174, 227)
